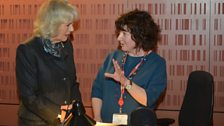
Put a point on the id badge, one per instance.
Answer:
(120, 119)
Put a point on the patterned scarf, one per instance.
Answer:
(53, 49)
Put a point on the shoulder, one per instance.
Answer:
(28, 47)
(117, 54)
(113, 55)
(30, 43)
(153, 56)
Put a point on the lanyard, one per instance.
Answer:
(133, 72)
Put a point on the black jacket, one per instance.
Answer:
(45, 82)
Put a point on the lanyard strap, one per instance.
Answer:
(121, 100)
(133, 72)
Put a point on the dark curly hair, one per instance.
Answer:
(144, 31)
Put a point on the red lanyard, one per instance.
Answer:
(133, 72)
(121, 100)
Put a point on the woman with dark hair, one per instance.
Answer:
(45, 68)
(132, 76)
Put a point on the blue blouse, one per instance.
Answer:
(151, 76)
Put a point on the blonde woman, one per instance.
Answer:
(45, 68)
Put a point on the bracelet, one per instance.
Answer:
(125, 83)
(128, 86)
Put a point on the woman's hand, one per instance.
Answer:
(98, 119)
(137, 92)
(64, 109)
(118, 74)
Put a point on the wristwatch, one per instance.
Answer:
(128, 85)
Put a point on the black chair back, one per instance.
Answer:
(143, 117)
(197, 106)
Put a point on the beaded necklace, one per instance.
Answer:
(130, 76)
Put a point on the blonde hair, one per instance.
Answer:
(51, 15)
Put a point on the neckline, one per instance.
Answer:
(137, 57)
(139, 64)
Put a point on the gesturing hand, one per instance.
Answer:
(118, 74)
(64, 108)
